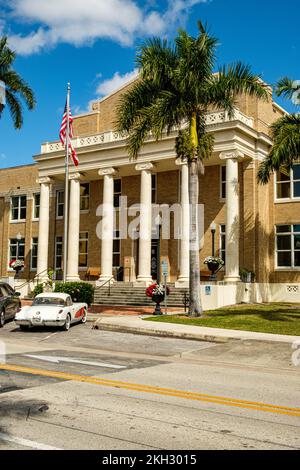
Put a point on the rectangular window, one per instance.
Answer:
(222, 182)
(288, 182)
(84, 196)
(16, 249)
(154, 188)
(36, 206)
(58, 252)
(116, 249)
(18, 208)
(83, 249)
(60, 196)
(222, 242)
(288, 246)
(34, 253)
(117, 192)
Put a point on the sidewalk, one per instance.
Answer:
(136, 325)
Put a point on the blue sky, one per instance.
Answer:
(92, 44)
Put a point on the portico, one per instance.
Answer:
(103, 160)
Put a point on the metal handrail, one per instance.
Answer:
(37, 276)
(122, 269)
(107, 281)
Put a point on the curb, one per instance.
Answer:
(162, 333)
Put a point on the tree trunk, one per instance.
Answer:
(195, 308)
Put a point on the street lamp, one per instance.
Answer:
(213, 233)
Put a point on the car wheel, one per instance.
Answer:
(84, 318)
(2, 318)
(24, 327)
(67, 324)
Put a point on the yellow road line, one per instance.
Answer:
(220, 400)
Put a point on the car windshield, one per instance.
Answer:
(49, 301)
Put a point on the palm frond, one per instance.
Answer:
(285, 87)
(15, 109)
(286, 146)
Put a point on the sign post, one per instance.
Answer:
(164, 268)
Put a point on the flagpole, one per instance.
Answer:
(66, 205)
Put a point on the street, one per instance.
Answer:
(92, 389)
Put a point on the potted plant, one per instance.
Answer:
(17, 265)
(214, 264)
(157, 293)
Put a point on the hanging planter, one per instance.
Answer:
(157, 293)
(17, 265)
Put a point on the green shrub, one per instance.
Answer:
(79, 291)
(38, 289)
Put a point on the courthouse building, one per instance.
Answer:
(257, 227)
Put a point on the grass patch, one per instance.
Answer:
(278, 318)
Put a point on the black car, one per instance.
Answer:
(9, 303)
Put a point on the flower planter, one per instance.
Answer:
(157, 299)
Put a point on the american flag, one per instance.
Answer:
(63, 133)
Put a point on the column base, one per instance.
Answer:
(104, 279)
(41, 279)
(182, 281)
(143, 281)
(74, 278)
(232, 279)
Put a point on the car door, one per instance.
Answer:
(5, 302)
(12, 301)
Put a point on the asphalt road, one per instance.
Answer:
(91, 389)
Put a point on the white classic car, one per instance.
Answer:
(52, 309)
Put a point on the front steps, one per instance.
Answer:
(124, 294)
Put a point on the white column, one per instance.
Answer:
(107, 230)
(232, 215)
(145, 235)
(73, 228)
(43, 240)
(184, 261)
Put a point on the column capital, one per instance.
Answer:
(75, 176)
(107, 171)
(44, 180)
(144, 166)
(232, 155)
(181, 161)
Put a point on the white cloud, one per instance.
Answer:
(111, 84)
(79, 22)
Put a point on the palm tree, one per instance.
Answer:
(177, 85)
(15, 86)
(285, 133)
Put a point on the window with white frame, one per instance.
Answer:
(84, 196)
(16, 249)
(18, 208)
(117, 191)
(153, 188)
(60, 196)
(58, 252)
(222, 250)
(116, 249)
(83, 249)
(36, 206)
(34, 253)
(223, 182)
(287, 246)
(287, 182)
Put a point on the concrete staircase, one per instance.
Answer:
(125, 294)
